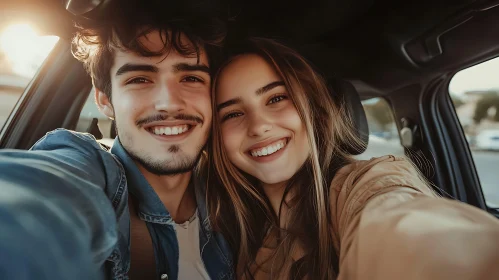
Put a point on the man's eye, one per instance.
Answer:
(276, 99)
(137, 81)
(231, 116)
(192, 79)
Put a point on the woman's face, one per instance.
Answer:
(262, 132)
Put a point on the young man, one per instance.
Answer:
(71, 210)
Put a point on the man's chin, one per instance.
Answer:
(167, 167)
(168, 160)
(173, 163)
(169, 171)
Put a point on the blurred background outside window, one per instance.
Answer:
(475, 94)
(22, 52)
(383, 134)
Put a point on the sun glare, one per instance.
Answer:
(24, 49)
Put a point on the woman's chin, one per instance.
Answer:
(273, 179)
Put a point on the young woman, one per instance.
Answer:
(294, 205)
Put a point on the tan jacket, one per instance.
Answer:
(388, 224)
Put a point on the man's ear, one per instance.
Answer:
(104, 104)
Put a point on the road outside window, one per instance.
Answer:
(22, 52)
(475, 94)
(383, 135)
(93, 121)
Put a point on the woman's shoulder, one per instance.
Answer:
(364, 179)
(357, 164)
(375, 167)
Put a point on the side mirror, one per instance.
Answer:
(408, 133)
(93, 129)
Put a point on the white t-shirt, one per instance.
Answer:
(190, 264)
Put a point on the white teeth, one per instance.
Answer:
(166, 130)
(268, 150)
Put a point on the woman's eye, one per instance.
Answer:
(231, 116)
(138, 81)
(192, 79)
(276, 99)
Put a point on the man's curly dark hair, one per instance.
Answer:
(96, 42)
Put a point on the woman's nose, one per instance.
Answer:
(259, 125)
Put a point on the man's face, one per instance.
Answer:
(161, 106)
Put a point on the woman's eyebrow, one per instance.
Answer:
(268, 87)
(227, 103)
(259, 91)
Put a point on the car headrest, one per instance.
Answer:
(344, 92)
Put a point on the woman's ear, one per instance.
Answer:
(104, 104)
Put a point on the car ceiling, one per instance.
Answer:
(379, 45)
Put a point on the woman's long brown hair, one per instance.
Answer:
(237, 204)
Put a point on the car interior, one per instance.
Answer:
(405, 52)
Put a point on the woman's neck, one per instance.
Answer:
(275, 193)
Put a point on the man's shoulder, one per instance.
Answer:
(67, 139)
(81, 155)
(76, 148)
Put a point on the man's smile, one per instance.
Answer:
(173, 130)
(169, 130)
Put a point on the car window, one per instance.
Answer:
(475, 94)
(22, 52)
(383, 135)
(91, 120)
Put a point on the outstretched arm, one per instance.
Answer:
(390, 225)
(56, 221)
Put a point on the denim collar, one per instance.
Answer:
(151, 209)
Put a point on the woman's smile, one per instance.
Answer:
(264, 152)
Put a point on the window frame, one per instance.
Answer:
(451, 147)
(469, 171)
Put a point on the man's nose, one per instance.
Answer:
(170, 99)
(259, 125)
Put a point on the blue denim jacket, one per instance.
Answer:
(64, 214)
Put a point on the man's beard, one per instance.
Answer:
(177, 165)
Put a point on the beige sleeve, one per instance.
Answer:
(390, 225)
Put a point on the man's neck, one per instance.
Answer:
(175, 193)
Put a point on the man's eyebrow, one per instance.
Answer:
(228, 103)
(129, 67)
(179, 67)
(268, 87)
